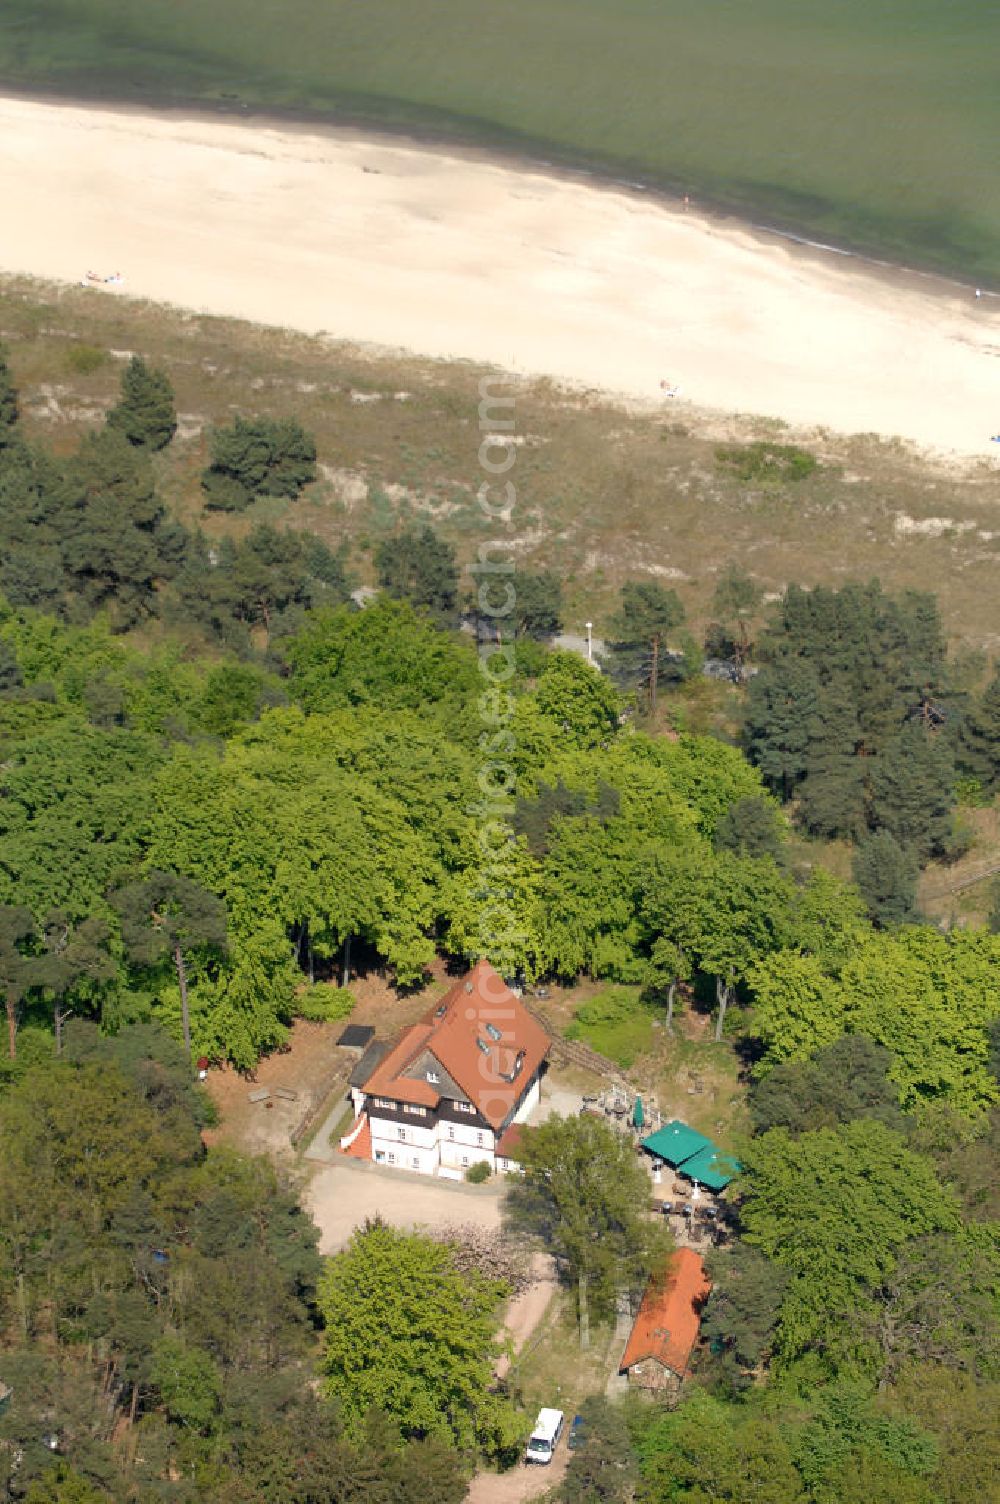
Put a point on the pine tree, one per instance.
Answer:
(145, 413)
(887, 878)
(419, 567)
(978, 750)
(647, 617)
(912, 792)
(8, 402)
(163, 916)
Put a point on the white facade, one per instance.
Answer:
(430, 1145)
(464, 1145)
(532, 1097)
(407, 1146)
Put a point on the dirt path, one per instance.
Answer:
(522, 1482)
(526, 1310)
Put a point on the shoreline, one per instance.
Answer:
(375, 238)
(528, 157)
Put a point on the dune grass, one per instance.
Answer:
(604, 495)
(874, 125)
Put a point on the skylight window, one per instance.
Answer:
(481, 1044)
(494, 1032)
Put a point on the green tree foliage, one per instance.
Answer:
(19, 971)
(923, 996)
(76, 964)
(145, 412)
(383, 657)
(407, 1332)
(831, 714)
(913, 793)
(602, 1468)
(538, 607)
(164, 915)
(735, 602)
(8, 401)
(418, 566)
(939, 1305)
(741, 1315)
(194, 1277)
(726, 912)
(188, 1382)
(706, 1450)
(840, 1083)
(886, 875)
(585, 1197)
(61, 1485)
(834, 1207)
(750, 827)
(648, 615)
(977, 750)
(960, 1415)
(258, 457)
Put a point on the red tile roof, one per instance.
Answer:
(483, 1038)
(510, 1141)
(666, 1327)
(360, 1147)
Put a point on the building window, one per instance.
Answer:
(479, 1138)
(451, 1133)
(392, 1159)
(433, 1077)
(465, 1159)
(381, 1102)
(465, 1107)
(418, 1112)
(402, 1135)
(416, 1164)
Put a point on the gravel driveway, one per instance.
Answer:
(341, 1196)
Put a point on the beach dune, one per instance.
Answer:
(451, 254)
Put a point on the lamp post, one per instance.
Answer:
(590, 641)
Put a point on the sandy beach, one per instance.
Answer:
(455, 255)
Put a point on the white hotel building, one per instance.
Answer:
(451, 1090)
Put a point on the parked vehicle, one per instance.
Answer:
(577, 1433)
(545, 1436)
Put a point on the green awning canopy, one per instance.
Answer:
(712, 1167)
(692, 1154)
(675, 1142)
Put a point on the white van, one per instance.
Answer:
(548, 1429)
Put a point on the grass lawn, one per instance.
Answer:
(552, 1370)
(874, 124)
(615, 1023)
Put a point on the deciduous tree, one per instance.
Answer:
(406, 1332)
(587, 1199)
(164, 914)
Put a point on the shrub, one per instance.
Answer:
(324, 1003)
(478, 1172)
(82, 359)
(765, 461)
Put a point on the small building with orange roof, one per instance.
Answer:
(445, 1094)
(665, 1331)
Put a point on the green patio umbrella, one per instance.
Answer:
(638, 1116)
